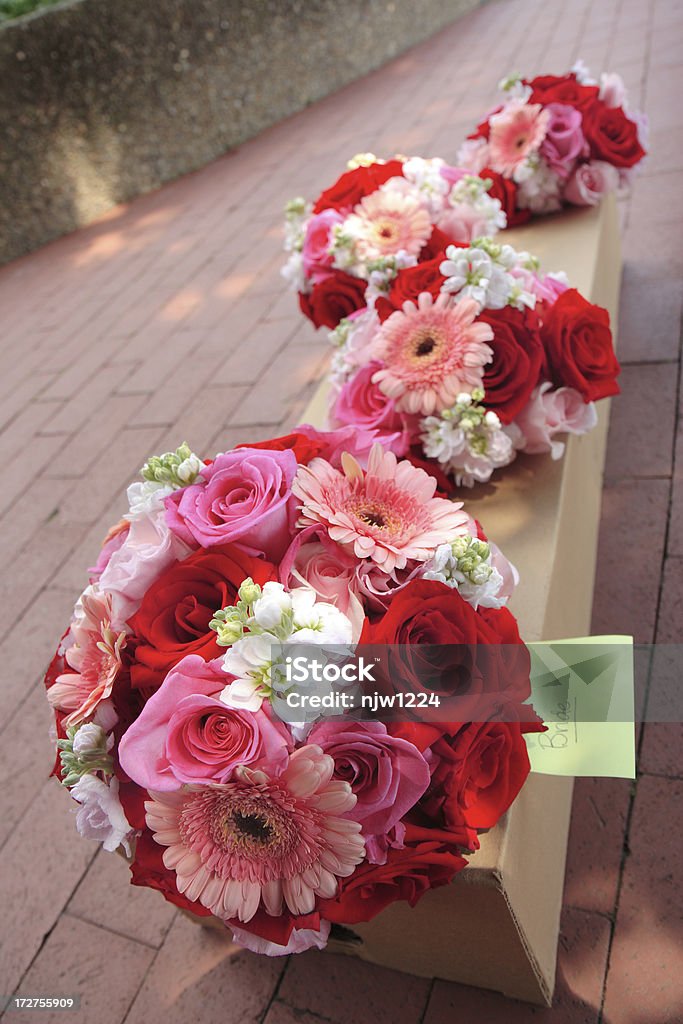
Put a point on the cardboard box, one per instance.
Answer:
(497, 925)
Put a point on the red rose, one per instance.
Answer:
(517, 359)
(564, 89)
(479, 771)
(411, 282)
(612, 136)
(505, 190)
(132, 799)
(335, 297)
(578, 346)
(353, 185)
(173, 619)
(437, 244)
(305, 448)
(438, 644)
(430, 858)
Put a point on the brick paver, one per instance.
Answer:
(168, 320)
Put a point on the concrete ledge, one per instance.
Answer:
(105, 99)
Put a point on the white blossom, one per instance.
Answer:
(582, 72)
(468, 443)
(471, 273)
(273, 603)
(278, 618)
(90, 738)
(100, 815)
(539, 188)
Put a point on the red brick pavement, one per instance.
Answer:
(168, 320)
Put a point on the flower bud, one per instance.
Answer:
(249, 591)
(90, 739)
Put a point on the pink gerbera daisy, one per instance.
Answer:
(388, 514)
(96, 657)
(516, 131)
(260, 840)
(432, 352)
(387, 222)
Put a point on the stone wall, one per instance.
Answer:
(105, 99)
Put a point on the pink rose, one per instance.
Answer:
(377, 847)
(378, 587)
(387, 774)
(111, 544)
(357, 441)
(362, 403)
(564, 141)
(550, 412)
(149, 547)
(244, 499)
(546, 287)
(313, 560)
(463, 222)
(185, 735)
(590, 182)
(364, 324)
(508, 573)
(316, 254)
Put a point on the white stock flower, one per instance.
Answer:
(317, 621)
(471, 273)
(427, 179)
(297, 215)
(90, 738)
(480, 584)
(162, 475)
(294, 617)
(249, 660)
(469, 444)
(477, 467)
(273, 603)
(190, 468)
(539, 188)
(362, 160)
(100, 815)
(582, 72)
(383, 273)
(515, 88)
(145, 498)
(293, 272)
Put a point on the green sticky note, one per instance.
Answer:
(583, 690)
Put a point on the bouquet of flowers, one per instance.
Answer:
(164, 687)
(380, 217)
(471, 357)
(557, 140)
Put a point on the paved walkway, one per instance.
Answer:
(169, 321)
